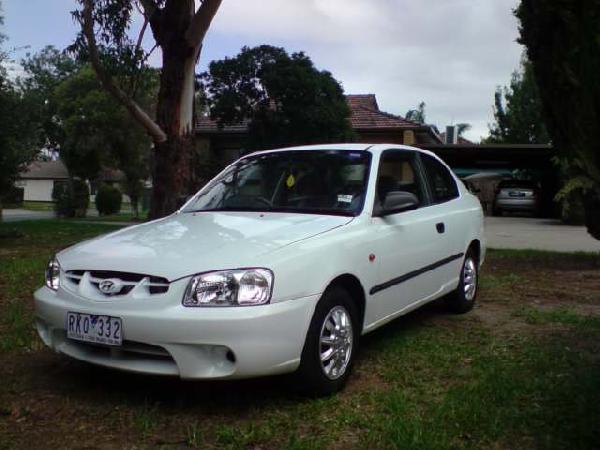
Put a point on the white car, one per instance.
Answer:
(279, 264)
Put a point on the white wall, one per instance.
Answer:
(41, 191)
(37, 190)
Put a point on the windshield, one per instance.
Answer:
(311, 181)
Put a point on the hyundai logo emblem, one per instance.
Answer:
(110, 286)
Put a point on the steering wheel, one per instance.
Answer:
(263, 200)
(297, 200)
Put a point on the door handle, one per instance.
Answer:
(440, 227)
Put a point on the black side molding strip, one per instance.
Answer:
(414, 273)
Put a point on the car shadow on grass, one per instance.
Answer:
(87, 382)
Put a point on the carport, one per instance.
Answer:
(536, 159)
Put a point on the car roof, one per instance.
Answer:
(373, 148)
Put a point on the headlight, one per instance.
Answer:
(53, 274)
(240, 287)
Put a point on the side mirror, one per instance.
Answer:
(398, 201)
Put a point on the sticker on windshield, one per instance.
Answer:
(345, 198)
(290, 181)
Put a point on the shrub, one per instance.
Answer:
(108, 200)
(572, 209)
(13, 197)
(71, 198)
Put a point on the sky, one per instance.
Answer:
(451, 54)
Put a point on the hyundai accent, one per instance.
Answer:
(279, 264)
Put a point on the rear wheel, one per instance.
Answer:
(330, 345)
(463, 298)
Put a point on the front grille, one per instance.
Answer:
(129, 349)
(74, 276)
(146, 351)
(122, 283)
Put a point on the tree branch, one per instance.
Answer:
(158, 135)
(142, 62)
(149, 54)
(201, 22)
(151, 13)
(138, 46)
(140, 38)
(150, 8)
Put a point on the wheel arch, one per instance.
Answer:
(351, 284)
(475, 244)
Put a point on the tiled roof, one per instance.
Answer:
(363, 100)
(45, 170)
(364, 115)
(205, 124)
(107, 174)
(363, 118)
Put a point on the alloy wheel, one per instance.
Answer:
(470, 278)
(336, 342)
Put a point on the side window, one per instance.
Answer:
(442, 184)
(398, 172)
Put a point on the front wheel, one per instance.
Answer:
(462, 299)
(330, 345)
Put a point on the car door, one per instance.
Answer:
(408, 242)
(449, 217)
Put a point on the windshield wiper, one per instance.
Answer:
(226, 210)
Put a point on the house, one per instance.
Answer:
(369, 123)
(372, 125)
(39, 178)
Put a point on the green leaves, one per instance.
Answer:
(518, 111)
(418, 114)
(284, 97)
(98, 131)
(563, 44)
(19, 131)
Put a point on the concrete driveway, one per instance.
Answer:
(14, 215)
(539, 234)
(500, 232)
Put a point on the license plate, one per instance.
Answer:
(94, 328)
(516, 194)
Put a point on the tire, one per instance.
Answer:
(496, 211)
(463, 298)
(317, 378)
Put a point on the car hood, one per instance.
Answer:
(187, 243)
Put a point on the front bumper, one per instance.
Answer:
(162, 337)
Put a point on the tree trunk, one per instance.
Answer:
(134, 206)
(171, 172)
(591, 203)
(171, 175)
(179, 31)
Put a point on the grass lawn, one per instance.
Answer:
(38, 206)
(522, 370)
(120, 217)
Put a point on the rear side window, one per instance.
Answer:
(441, 182)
